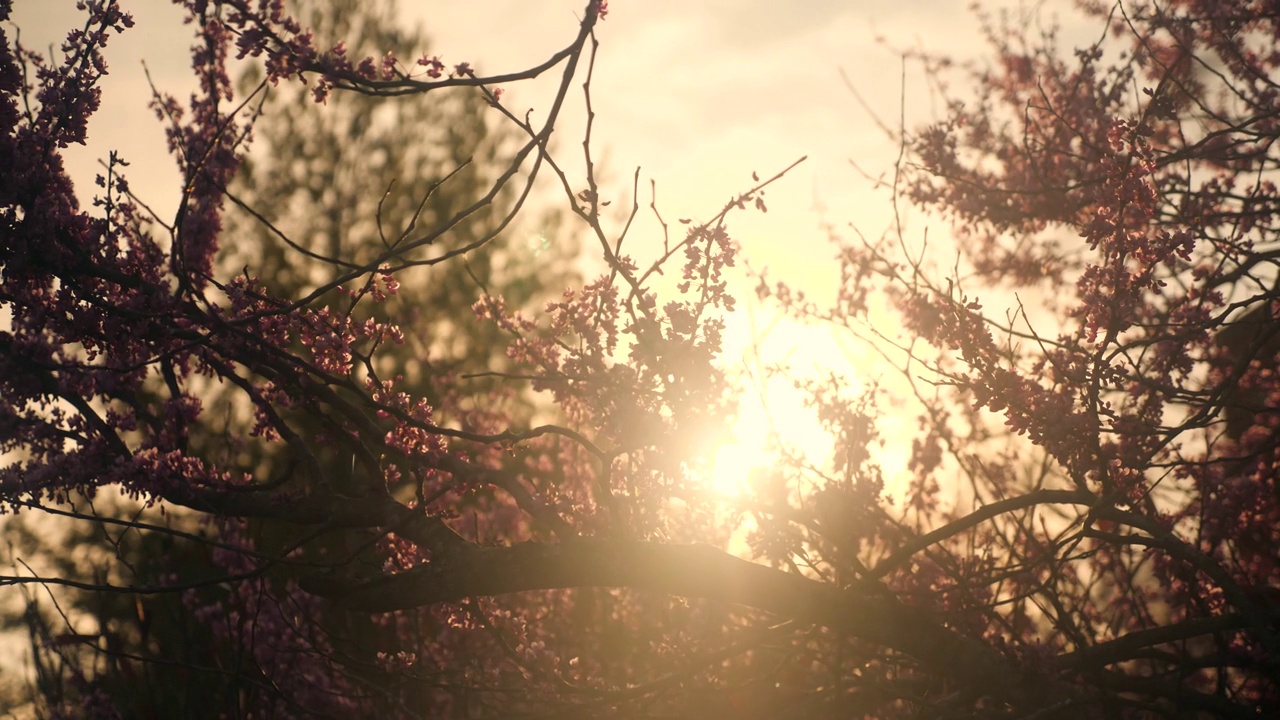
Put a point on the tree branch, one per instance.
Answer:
(697, 571)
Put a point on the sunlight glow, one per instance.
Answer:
(735, 460)
(762, 423)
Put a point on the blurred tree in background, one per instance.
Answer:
(326, 186)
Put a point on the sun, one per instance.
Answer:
(734, 460)
(765, 421)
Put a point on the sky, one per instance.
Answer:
(697, 95)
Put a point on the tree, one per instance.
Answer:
(431, 154)
(308, 182)
(1111, 550)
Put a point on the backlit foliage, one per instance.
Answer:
(1092, 516)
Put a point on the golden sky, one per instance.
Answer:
(698, 95)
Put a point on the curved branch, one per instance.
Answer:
(984, 513)
(698, 571)
(1124, 647)
(334, 510)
